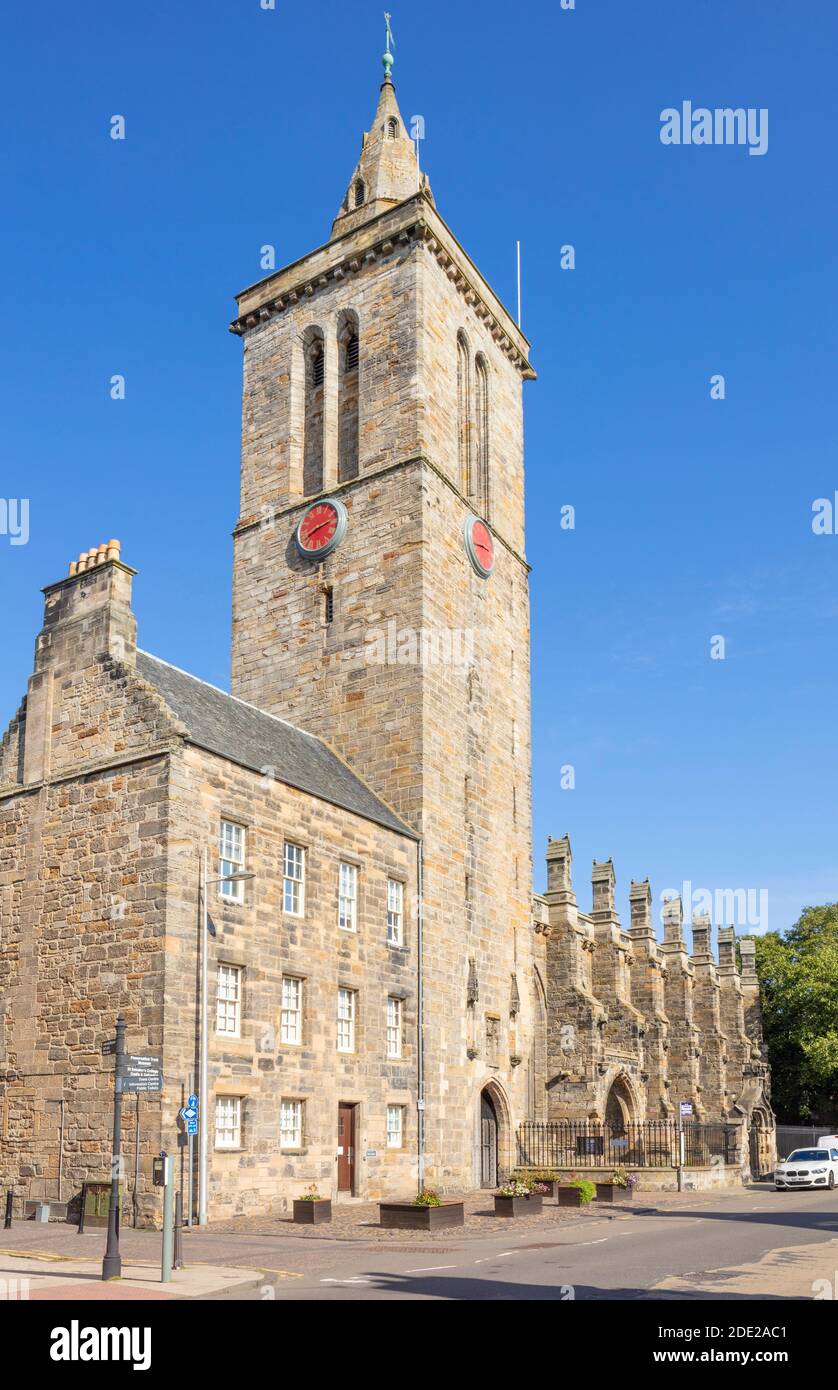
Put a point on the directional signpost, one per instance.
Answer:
(140, 1074)
(189, 1115)
(112, 1262)
(130, 1074)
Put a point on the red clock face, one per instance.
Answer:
(484, 546)
(480, 547)
(321, 528)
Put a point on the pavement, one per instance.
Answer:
(748, 1243)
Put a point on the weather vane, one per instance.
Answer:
(387, 60)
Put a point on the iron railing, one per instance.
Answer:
(653, 1144)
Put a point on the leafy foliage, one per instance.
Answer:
(798, 974)
(587, 1190)
(428, 1198)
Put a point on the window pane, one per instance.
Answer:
(228, 1000)
(347, 897)
(231, 859)
(394, 1126)
(291, 1019)
(346, 1020)
(395, 907)
(228, 1122)
(294, 879)
(394, 1027)
(290, 1124)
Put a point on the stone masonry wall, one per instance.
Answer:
(266, 943)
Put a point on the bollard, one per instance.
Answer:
(7, 1223)
(178, 1226)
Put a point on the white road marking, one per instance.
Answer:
(593, 1242)
(426, 1269)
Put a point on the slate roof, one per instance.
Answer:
(233, 729)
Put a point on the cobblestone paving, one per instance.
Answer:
(359, 1222)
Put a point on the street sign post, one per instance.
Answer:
(140, 1074)
(112, 1262)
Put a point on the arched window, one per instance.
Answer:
(348, 395)
(315, 371)
(360, 192)
(480, 489)
(464, 412)
(392, 128)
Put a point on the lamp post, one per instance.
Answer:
(203, 1098)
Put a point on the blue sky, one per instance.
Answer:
(693, 516)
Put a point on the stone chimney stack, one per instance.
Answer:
(87, 615)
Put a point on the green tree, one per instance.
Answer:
(798, 975)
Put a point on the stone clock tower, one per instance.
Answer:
(383, 381)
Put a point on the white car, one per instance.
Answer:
(807, 1168)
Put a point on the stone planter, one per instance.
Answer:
(610, 1192)
(313, 1213)
(407, 1216)
(518, 1206)
(570, 1197)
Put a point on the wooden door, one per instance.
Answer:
(346, 1148)
(488, 1143)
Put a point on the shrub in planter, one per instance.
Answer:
(427, 1212)
(579, 1192)
(311, 1209)
(519, 1198)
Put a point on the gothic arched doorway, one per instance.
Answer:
(619, 1107)
(488, 1141)
(761, 1145)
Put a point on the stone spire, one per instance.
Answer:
(388, 171)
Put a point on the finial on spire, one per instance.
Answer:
(387, 60)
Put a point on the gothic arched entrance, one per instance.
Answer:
(488, 1141)
(761, 1145)
(619, 1107)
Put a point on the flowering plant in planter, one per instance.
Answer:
(311, 1195)
(427, 1198)
(544, 1175)
(515, 1189)
(621, 1178)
